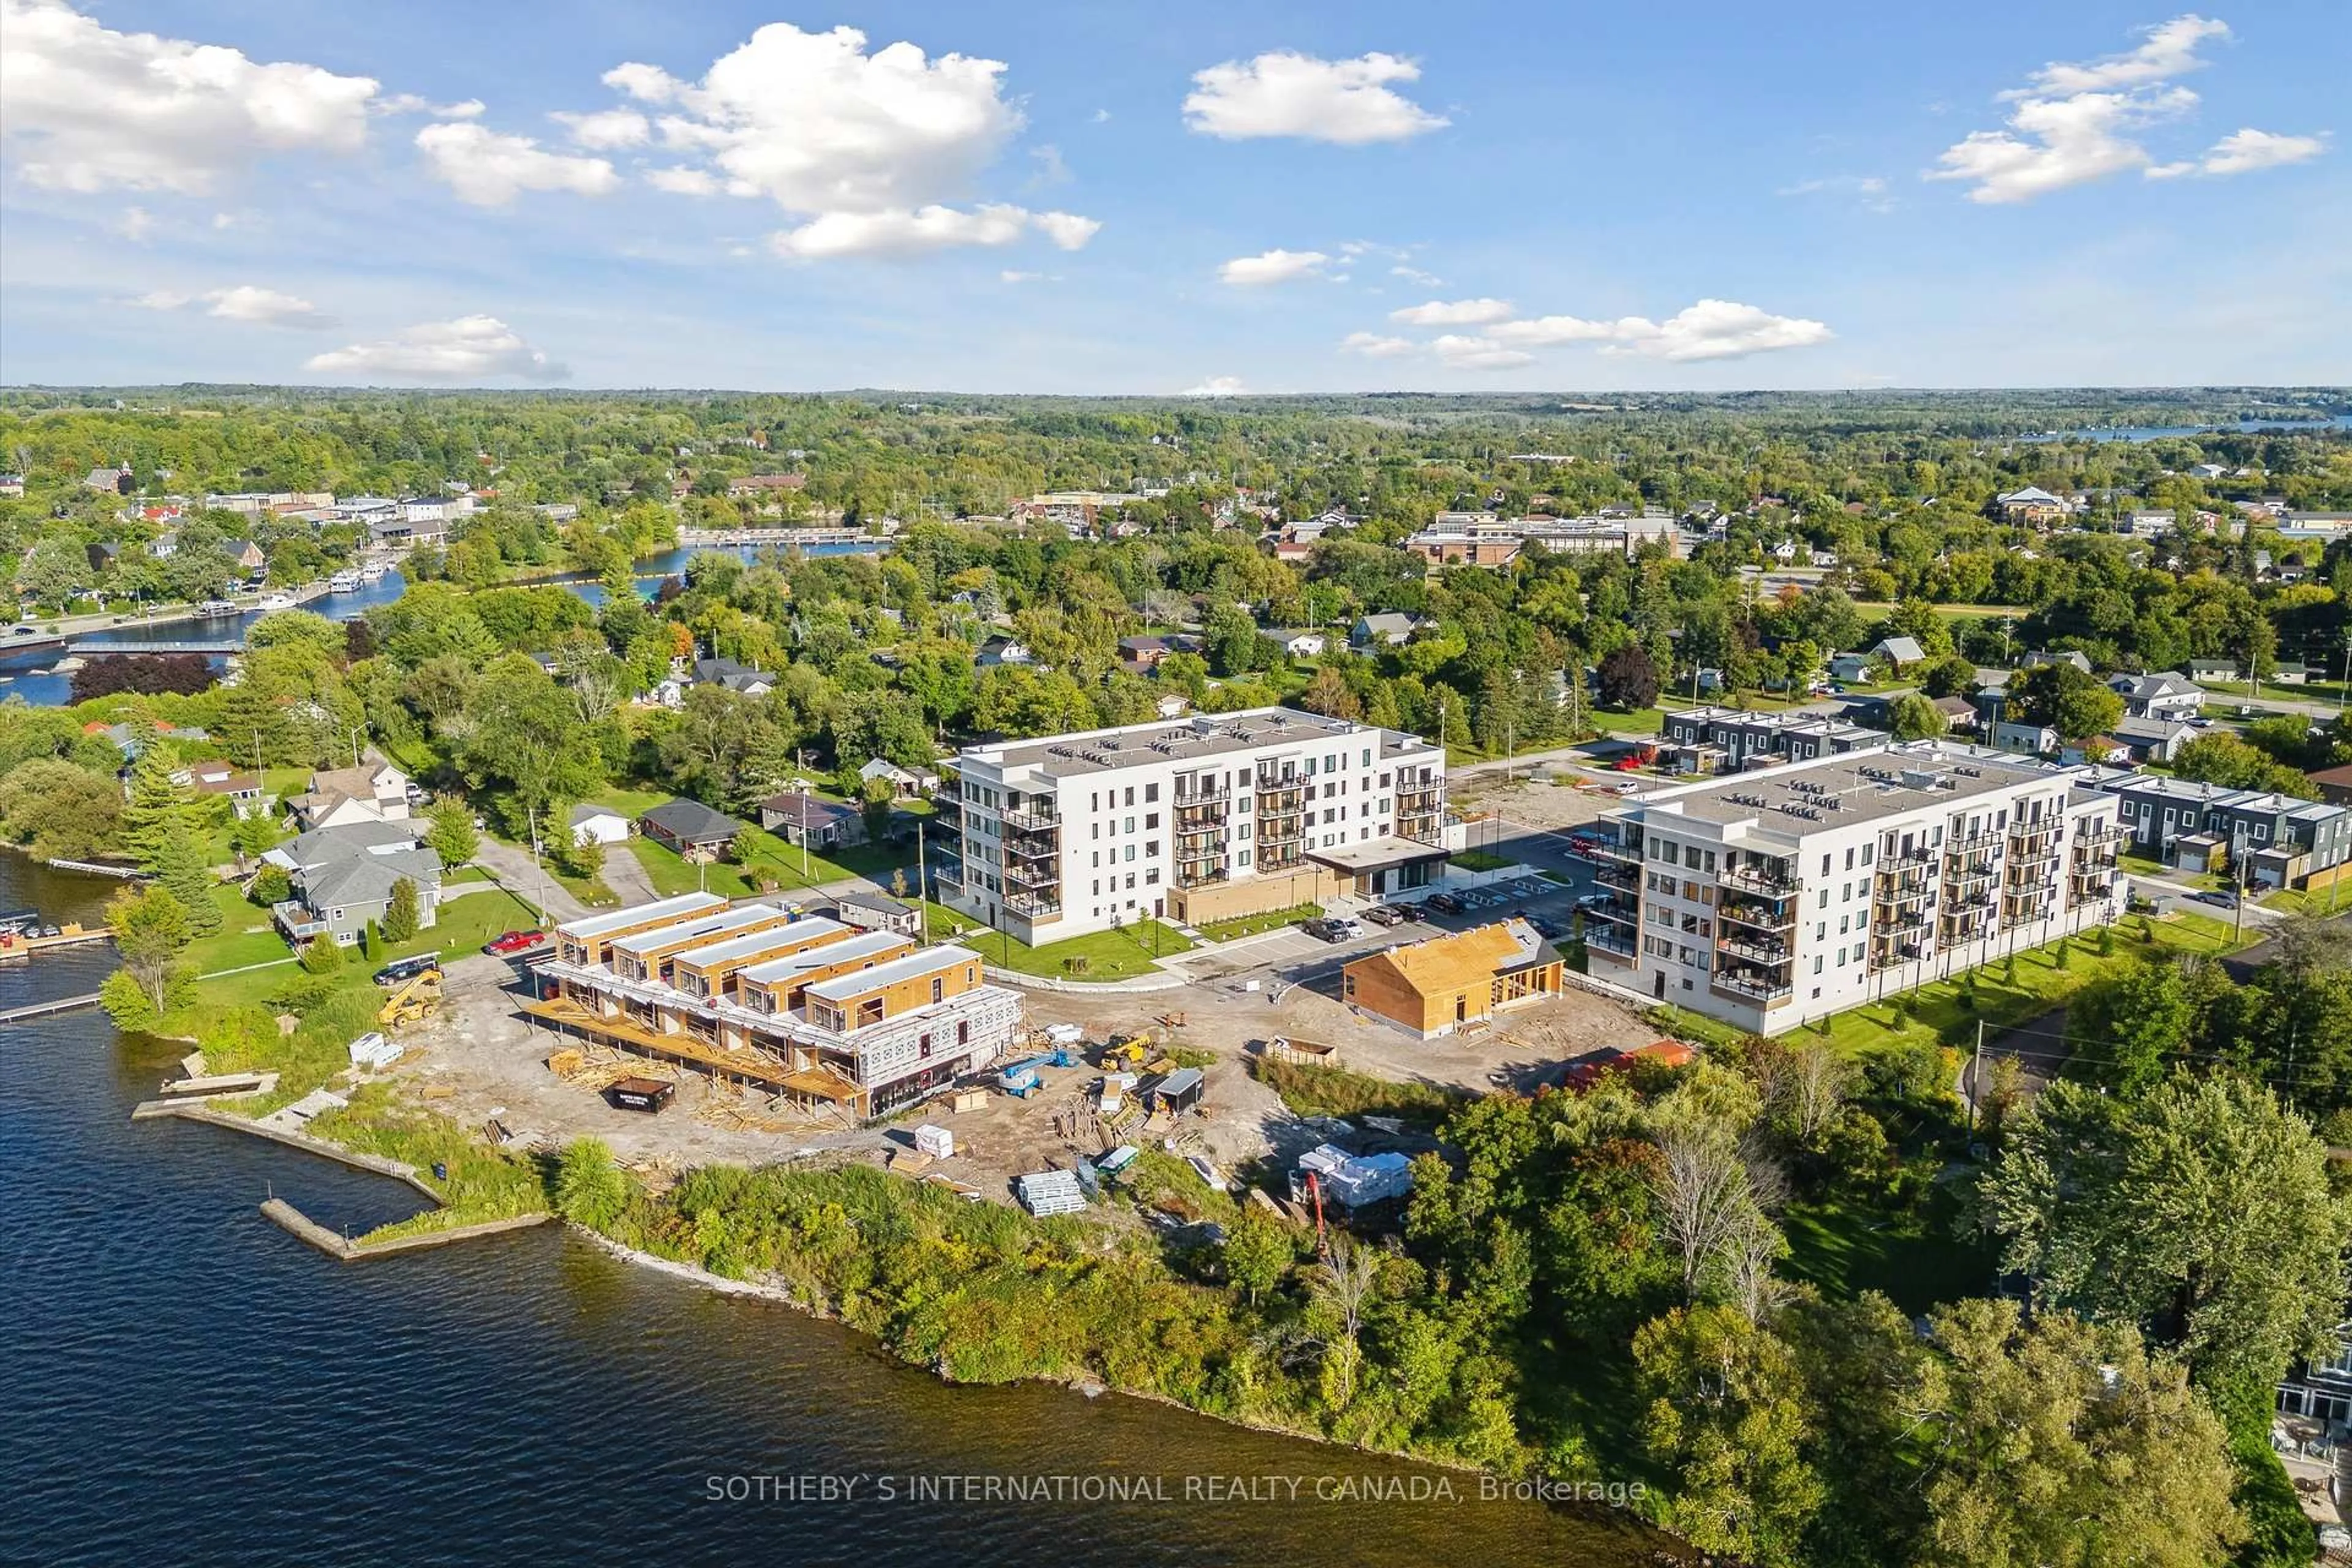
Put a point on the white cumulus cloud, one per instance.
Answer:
(2246, 152)
(469, 349)
(1273, 267)
(489, 168)
(417, 103)
(1466, 353)
(89, 109)
(2077, 122)
(1714, 328)
(606, 129)
(244, 302)
(924, 229)
(1453, 313)
(1372, 345)
(1217, 386)
(874, 151)
(1288, 94)
(1545, 332)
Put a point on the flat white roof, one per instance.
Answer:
(597, 925)
(814, 928)
(715, 924)
(865, 945)
(914, 967)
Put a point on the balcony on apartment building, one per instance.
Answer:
(1047, 875)
(1892, 952)
(1609, 847)
(1894, 860)
(2101, 833)
(1199, 813)
(1752, 988)
(1033, 904)
(1614, 874)
(1610, 938)
(1038, 817)
(1983, 838)
(1767, 876)
(1768, 954)
(1778, 915)
(1621, 910)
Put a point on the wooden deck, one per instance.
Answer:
(751, 1065)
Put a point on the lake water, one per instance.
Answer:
(188, 1384)
(29, 675)
(2163, 432)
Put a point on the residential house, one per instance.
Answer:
(879, 912)
(2156, 739)
(343, 878)
(1302, 643)
(1389, 629)
(244, 554)
(799, 817)
(1725, 741)
(999, 650)
(375, 791)
(689, 825)
(1848, 666)
(2080, 660)
(906, 784)
(12, 487)
(1960, 715)
(2032, 504)
(2334, 785)
(2102, 750)
(762, 487)
(1436, 986)
(118, 480)
(598, 825)
(1171, 705)
(2203, 670)
(1144, 652)
(740, 678)
(1900, 651)
(2169, 695)
(2028, 740)
(243, 791)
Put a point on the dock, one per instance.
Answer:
(43, 1009)
(287, 1217)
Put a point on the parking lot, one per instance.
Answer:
(1292, 957)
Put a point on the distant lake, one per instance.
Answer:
(2162, 432)
(29, 675)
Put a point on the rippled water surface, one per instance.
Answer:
(185, 1384)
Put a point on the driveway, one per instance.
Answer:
(510, 868)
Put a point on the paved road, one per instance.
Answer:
(512, 868)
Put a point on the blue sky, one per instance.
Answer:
(1094, 199)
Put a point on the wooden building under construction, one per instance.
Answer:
(804, 1007)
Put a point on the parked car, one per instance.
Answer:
(2223, 899)
(1447, 903)
(1324, 930)
(1385, 915)
(513, 942)
(406, 969)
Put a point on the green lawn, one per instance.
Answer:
(1951, 612)
(1912, 1256)
(1937, 1016)
(245, 936)
(1479, 860)
(1250, 925)
(775, 858)
(1118, 954)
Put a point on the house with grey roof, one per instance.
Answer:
(343, 879)
(689, 824)
(2167, 695)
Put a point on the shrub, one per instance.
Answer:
(270, 885)
(322, 957)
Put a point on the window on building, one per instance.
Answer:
(1151, 793)
(1150, 820)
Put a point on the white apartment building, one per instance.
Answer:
(1192, 819)
(1775, 897)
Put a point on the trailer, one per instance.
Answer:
(1306, 1053)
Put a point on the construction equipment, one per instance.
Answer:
(1024, 1078)
(1125, 1052)
(414, 1002)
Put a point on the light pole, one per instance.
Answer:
(353, 735)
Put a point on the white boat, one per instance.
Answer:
(212, 608)
(372, 571)
(342, 581)
(276, 601)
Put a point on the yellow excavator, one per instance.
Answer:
(413, 1002)
(1125, 1054)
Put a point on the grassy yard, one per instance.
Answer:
(1936, 1013)
(1337, 1091)
(1118, 954)
(776, 860)
(1911, 1256)
(1479, 860)
(1250, 925)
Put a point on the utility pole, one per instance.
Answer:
(531, 816)
(799, 766)
(1976, 1077)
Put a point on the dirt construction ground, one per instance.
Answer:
(481, 1059)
